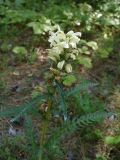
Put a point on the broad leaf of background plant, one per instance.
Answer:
(69, 80)
(85, 61)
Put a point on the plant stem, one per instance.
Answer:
(45, 128)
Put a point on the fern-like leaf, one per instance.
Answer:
(70, 127)
(20, 110)
(80, 87)
(92, 118)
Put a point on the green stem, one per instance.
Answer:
(45, 128)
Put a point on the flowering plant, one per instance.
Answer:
(67, 50)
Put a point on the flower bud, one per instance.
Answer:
(60, 64)
(68, 68)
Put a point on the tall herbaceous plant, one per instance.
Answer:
(66, 55)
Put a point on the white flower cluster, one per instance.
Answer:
(63, 48)
(60, 39)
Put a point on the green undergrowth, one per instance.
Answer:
(68, 117)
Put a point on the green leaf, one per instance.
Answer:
(69, 80)
(93, 45)
(19, 50)
(85, 61)
(100, 157)
(84, 49)
(103, 53)
(5, 47)
(37, 27)
(110, 140)
(52, 58)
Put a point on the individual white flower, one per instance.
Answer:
(72, 34)
(57, 50)
(52, 39)
(77, 23)
(76, 52)
(61, 64)
(73, 38)
(73, 45)
(105, 35)
(61, 35)
(99, 15)
(74, 41)
(56, 38)
(64, 44)
(78, 34)
(72, 56)
(68, 68)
